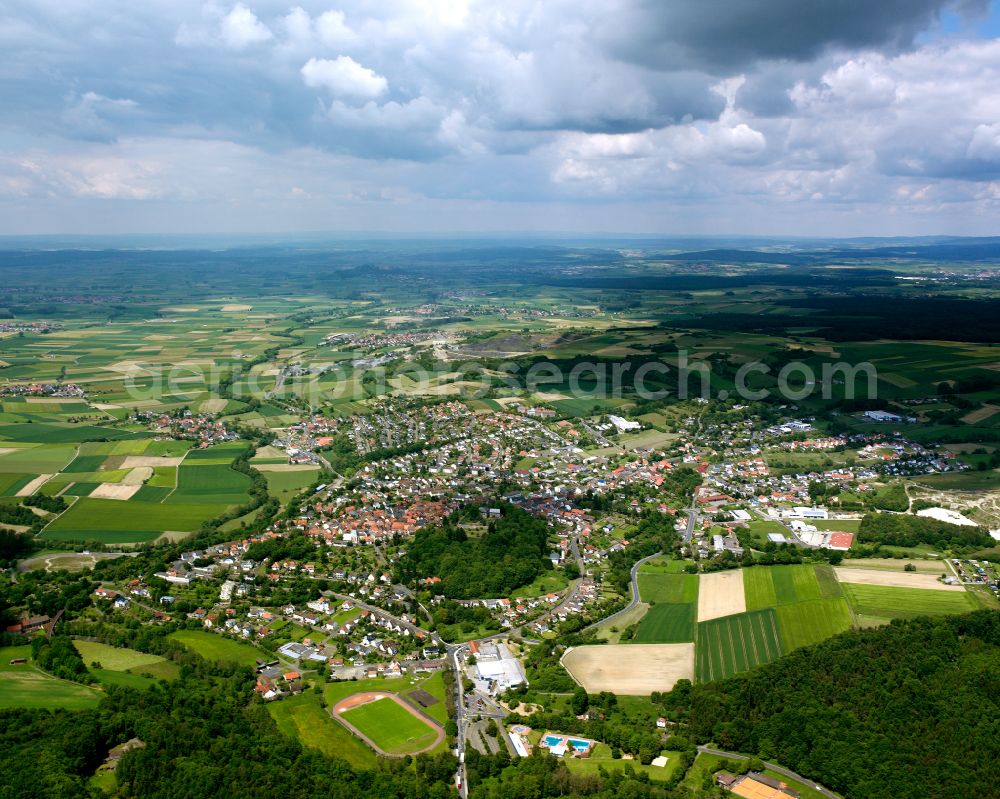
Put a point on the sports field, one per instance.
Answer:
(881, 602)
(667, 624)
(385, 721)
(735, 644)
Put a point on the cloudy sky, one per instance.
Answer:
(845, 117)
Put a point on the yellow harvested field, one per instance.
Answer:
(897, 579)
(236, 307)
(721, 594)
(213, 405)
(6, 450)
(118, 491)
(138, 476)
(34, 485)
(49, 400)
(630, 669)
(981, 414)
(286, 467)
(140, 461)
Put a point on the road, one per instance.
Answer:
(707, 750)
(634, 584)
(456, 656)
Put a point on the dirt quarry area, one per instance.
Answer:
(721, 594)
(897, 579)
(630, 669)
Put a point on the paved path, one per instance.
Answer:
(707, 750)
(634, 583)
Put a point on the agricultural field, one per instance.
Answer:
(630, 669)
(734, 644)
(878, 604)
(667, 624)
(811, 621)
(665, 587)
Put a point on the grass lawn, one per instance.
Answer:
(548, 582)
(394, 729)
(216, 647)
(669, 588)
(434, 685)
(601, 758)
(885, 602)
(26, 687)
(667, 623)
(303, 718)
(664, 565)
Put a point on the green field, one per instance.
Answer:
(114, 658)
(285, 485)
(392, 728)
(666, 623)
(736, 644)
(216, 647)
(884, 602)
(304, 719)
(812, 621)
(666, 587)
(794, 583)
(115, 522)
(213, 484)
(600, 759)
(26, 687)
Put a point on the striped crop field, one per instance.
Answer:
(735, 644)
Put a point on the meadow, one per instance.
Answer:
(24, 686)
(303, 718)
(212, 646)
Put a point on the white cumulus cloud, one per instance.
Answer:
(343, 76)
(240, 28)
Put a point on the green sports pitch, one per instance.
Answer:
(391, 727)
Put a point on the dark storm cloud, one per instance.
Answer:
(726, 35)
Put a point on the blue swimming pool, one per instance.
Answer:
(553, 740)
(579, 745)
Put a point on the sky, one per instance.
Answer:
(755, 117)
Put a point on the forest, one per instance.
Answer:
(909, 531)
(857, 712)
(511, 553)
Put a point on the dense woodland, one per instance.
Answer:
(510, 554)
(910, 531)
(907, 710)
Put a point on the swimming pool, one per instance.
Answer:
(579, 745)
(553, 740)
